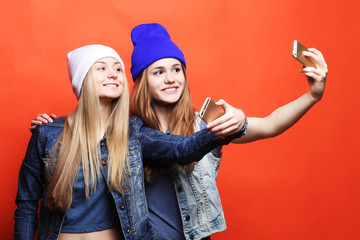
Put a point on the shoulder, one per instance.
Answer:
(52, 129)
(57, 122)
(45, 136)
(135, 122)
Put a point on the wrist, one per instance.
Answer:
(315, 97)
(241, 133)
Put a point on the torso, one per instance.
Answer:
(108, 234)
(164, 212)
(162, 197)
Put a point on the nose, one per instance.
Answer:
(169, 78)
(112, 74)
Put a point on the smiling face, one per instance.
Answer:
(166, 80)
(109, 77)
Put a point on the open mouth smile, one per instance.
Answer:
(111, 85)
(170, 90)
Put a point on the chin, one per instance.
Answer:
(111, 97)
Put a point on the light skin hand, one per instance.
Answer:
(316, 77)
(230, 123)
(40, 119)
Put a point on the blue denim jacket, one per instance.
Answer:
(144, 143)
(198, 196)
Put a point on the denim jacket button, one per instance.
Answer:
(179, 189)
(187, 218)
(104, 162)
(102, 143)
(122, 206)
(127, 230)
(191, 237)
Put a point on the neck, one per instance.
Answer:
(163, 113)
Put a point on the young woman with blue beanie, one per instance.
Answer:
(184, 202)
(86, 169)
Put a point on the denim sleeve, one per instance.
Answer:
(30, 189)
(158, 147)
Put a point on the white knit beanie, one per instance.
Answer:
(81, 59)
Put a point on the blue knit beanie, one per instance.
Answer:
(151, 43)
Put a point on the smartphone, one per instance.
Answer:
(210, 111)
(298, 54)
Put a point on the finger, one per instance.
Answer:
(317, 56)
(313, 56)
(32, 128)
(313, 76)
(41, 119)
(223, 104)
(220, 102)
(36, 123)
(52, 115)
(226, 132)
(317, 71)
(308, 69)
(224, 118)
(230, 112)
(219, 127)
(45, 116)
(315, 51)
(227, 127)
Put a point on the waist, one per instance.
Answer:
(108, 234)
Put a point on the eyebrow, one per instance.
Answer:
(105, 62)
(159, 67)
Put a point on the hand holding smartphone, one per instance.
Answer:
(298, 54)
(210, 111)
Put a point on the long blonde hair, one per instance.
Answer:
(181, 117)
(78, 144)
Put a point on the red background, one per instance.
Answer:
(303, 184)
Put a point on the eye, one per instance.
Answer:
(118, 70)
(158, 72)
(177, 69)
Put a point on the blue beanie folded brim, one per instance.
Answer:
(151, 43)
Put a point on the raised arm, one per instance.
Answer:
(286, 116)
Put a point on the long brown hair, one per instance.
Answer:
(78, 144)
(181, 117)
